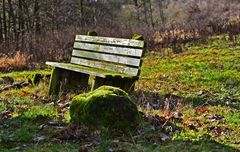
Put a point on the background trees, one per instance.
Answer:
(40, 27)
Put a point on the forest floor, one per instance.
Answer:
(189, 102)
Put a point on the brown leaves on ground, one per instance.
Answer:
(156, 101)
(218, 131)
(7, 114)
(213, 117)
(72, 132)
(196, 123)
(202, 109)
(192, 124)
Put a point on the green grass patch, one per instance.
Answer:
(21, 75)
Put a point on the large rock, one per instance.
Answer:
(106, 106)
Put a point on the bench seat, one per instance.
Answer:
(91, 71)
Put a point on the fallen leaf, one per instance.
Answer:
(23, 93)
(39, 139)
(202, 109)
(164, 137)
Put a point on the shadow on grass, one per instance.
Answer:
(160, 146)
(203, 101)
(194, 146)
(22, 131)
(158, 101)
(191, 125)
(17, 132)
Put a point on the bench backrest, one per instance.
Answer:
(112, 54)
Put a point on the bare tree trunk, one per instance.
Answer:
(28, 20)
(13, 22)
(20, 18)
(151, 13)
(137, 9)
(145, 12)
(161, 12)
(21, 24)
(36, 16)
(1, 28)
(4, 20)
(95, 19)
(81, 13)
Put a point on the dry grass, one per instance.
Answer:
(18, 61)
(175, 35)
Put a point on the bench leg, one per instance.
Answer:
(65, 80)
(126, 84)
(55, 82)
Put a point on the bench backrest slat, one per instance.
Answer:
(109, 49)
(112, 54)
(110, 41)
(107, 66)
(106, 57)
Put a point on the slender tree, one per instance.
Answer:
(151, 13)
(4, 20)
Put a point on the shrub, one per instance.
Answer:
(18, 61)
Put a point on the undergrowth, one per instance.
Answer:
(18, 61)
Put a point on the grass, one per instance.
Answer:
(200, 85)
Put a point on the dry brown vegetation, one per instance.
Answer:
(18, 61)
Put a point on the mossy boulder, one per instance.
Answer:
(106, 106)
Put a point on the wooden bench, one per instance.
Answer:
(108, 61)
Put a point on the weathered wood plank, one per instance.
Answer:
(106, 66)
(88, 70)
(107, 57)
(110, 41)
(109, 49)
(76, 69)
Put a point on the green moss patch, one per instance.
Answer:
(106, 106)
(137, 37)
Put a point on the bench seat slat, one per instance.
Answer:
(107, 57)
(110, 41)
(109, 49)
(89, 70)
(107, 66)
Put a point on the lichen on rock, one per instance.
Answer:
(106, 106)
